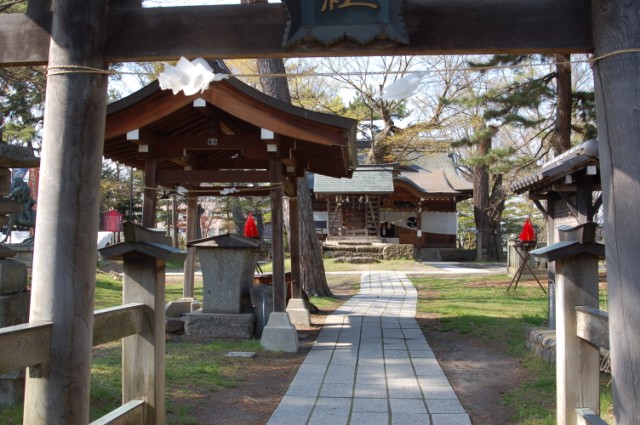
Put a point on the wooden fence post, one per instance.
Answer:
(143, 353)
(65, 251)
(577, 361)
(144, 282)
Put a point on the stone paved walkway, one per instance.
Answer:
(371, 365)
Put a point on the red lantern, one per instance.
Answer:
(528, 234)
(250, 228)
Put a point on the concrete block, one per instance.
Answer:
(14, 309)
(174, 325)
(298, 313)
(13, 277)
(180, 307)
(279, 334)
(212, 325)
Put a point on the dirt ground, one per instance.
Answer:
(478, 374)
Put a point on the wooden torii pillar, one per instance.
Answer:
(616, 39)
(65, 252)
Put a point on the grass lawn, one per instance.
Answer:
(479, 307)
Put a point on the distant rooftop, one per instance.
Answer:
(367, 179)
(433, 174)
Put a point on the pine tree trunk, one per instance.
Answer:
(481, 199)
(312, 275)
(488, 204)
(562, 137)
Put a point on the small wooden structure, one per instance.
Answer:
(413, 204)
(563, 190)
(229, 139)
(579, 333)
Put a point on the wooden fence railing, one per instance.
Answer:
(592, 326)
(581, 328)
(27, 345)
(140, 322)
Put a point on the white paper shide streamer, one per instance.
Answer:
(190, 77)
(403, 87)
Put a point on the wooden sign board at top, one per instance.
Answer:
(328, 22)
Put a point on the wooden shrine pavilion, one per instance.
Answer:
(229, 139)
(563, 190)
(406, 204)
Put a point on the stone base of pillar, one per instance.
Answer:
(279, 334)
(219, 325)
(298, 313)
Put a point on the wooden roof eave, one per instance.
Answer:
(150, 104)
(142, 108)
(282, 118)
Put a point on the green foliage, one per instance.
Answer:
(22, 92)
(118, 191)
(191, 368)
(584, 114)
(479, 307)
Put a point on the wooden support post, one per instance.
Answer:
(329, 218)
(419, 237)
(190, 262)
(294, 245)
(65, 252)
(577, 361)
(277, 237)
(616, 27)
(149, 197)
(279, 334)
(143, 354)
(551, 266)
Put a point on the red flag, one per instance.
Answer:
(527, 234)
(250, 228)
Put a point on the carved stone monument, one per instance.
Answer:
(14, 296)
(228, 263)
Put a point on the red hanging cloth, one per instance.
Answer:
(250, 228)
(528, 234)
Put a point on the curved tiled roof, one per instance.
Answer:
(435, 174)
(570, 161)
(231, 115)
(431, 175)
